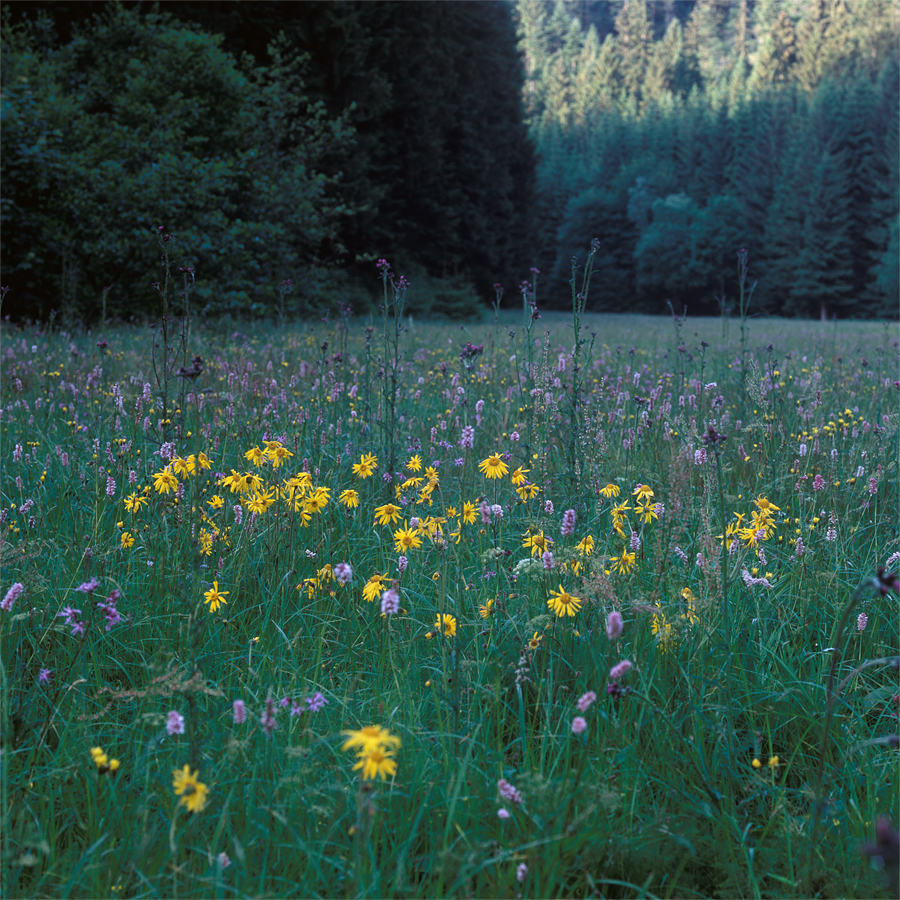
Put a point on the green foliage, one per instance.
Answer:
(747, 753)
(138, 123)
(790, 110)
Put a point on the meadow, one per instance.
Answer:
(542, 605)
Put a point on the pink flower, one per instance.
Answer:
(12, 595)
(521, 872)
(240, 712)
(503, 813)
(174, 723)
(343, 573)
(585, 701)
(390, 602)
(547, 559)
(568, 523)
(619, 669)
(509, 792)
(614, 625)
(861, 621)
(579, 725)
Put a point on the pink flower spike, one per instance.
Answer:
(619, 669)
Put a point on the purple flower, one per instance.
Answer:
(568, 523)
(267, 719)
(174, 723)
(579, 725)
(316, 702)
(88, 587)
(521, 872)
(585, 701)
(44, 676)
(503, 813)
(240, 712)
(887, 847)
(390, 602)
(861, 621)
(614, 625)
(509, 792)
(547, 559)
(619, 669)
(12, 595)
(343, 573)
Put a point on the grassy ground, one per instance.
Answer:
(388, 674)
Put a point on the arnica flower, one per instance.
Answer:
(537, 543)
(563, 603)
(486, 610)
(372, 737)
(585, 546)
(214, 597)
(372, 588)
(415, 463)
(165, 481)
(610, 491)
(349, 498)
(376, 764)
(493, 467)
(387, 514)
(519, 476)
(407, 539)
(623, 564)
(103, 763)
(642, 492)
(127, 540)
(535, 641)
(186, 784)
(446, 625)
(365, 468)
(133, 502)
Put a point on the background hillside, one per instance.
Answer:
(291, 145)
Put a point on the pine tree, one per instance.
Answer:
(633, 38)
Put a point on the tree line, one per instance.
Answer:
(288, 146)
(679, 132)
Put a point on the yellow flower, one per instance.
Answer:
(537, 542)
(372, 737)
(610, 491)
(133, 503)
(164, 481)
(317, 500)
(216, 502)
(407, 539)
(774, 762)
(528, 491)
(535, 642)
(259, 503)
(184, 467)
(276, 453)
(446, 625)
(625, 563)
(214, 597)
(765, 506)
(642, 492)
(518, 476)
(366, 465)
(349, 498)
(203, 461)
(373, 588)
(415, 463)
(756, 764)
(493, 466)
(664, 631)
(255, 455)
(486, 610)
(127, 540)
(646, 510)
(563, 603)
(101, 760)
(585, 546)
(193, 792)
(377, 764)
(469, 513)
(387, 514)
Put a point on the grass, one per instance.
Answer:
(716, 767)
